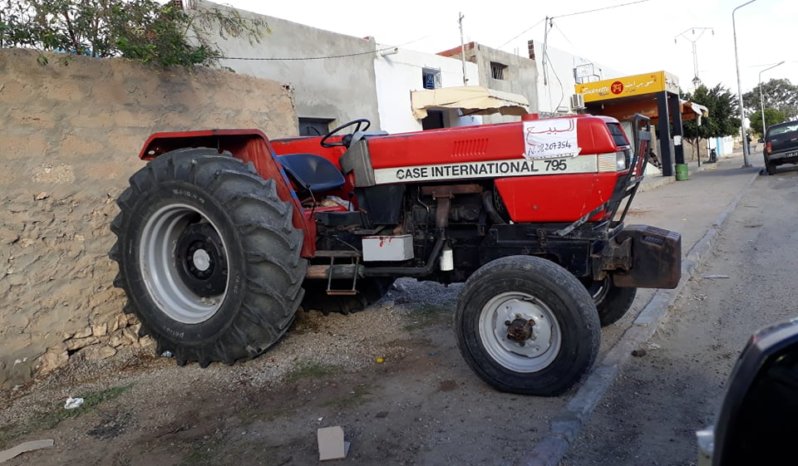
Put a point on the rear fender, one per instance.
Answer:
(249, 145)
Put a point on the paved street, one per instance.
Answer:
(653, 409)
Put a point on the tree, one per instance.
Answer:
(722, 121)
(772, 117)
(778, 94)
(138, 29)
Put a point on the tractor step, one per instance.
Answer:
(332, 253)
(341, 292)
(351, 271)
(338, 271)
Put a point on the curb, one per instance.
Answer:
(567, 425)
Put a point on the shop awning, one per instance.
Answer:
(693, 111)
(627, 109)
(472, 100)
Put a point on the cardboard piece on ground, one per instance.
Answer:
(6, 455)
(331, 443)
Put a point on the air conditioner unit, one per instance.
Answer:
(577, 102)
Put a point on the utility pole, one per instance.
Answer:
(462, 49)
(746, 152)
(683, 34)
(546, 26)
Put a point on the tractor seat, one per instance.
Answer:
(314, 173)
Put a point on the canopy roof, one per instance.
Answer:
(626, 109)
(473, 100)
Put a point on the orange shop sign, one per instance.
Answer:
(628, 86)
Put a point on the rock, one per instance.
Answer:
(147, 343)
(99, 330)
(53, 359)
(117, 340)
(27, 242)
(121, 321)
(16, 279)
(41, 196)
(74, 344)
(97, 352)
(16, 207)
(8, 237)
(86, 332)
(131, 335)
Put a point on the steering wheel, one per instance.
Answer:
(361, 124)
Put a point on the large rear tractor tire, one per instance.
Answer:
(612, 302)
(208, 257)
(526, 325)
(370, 290)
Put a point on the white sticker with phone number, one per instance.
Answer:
(491, 169)
(550, 139)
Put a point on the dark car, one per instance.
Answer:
(758, 419)
(781, 145)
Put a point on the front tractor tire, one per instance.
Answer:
(612, 302)
(208, 257)
(526, 325)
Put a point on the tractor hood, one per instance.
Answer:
(473, 100)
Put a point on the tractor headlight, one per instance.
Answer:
(620, 160)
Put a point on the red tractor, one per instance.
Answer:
(224, 234)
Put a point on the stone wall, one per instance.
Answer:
(72, 130)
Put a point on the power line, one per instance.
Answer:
(326, 57)
(369, 52)
(609, 7)
(549, 24)
(523, 32)
(562, 33)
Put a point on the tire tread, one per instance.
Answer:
(228, 180)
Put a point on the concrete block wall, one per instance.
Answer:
(72, 130)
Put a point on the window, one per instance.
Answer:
(431, 78)
(498, 70)
(314, 126)
(434, 120)
(618, 136)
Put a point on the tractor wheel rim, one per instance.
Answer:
(599, 290)
(160, 265)
(530, 355)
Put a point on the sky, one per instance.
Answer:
(649, 35)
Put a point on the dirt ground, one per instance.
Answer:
(422, 405)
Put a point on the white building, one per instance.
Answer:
(562, 69)
(398, 72)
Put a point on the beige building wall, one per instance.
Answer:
(518, 75)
